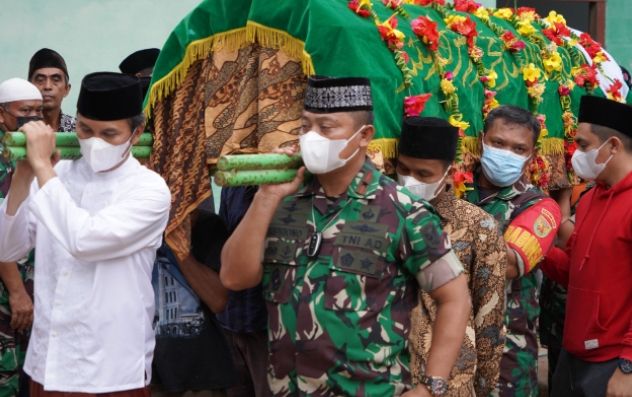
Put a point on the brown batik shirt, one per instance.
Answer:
(481, 248)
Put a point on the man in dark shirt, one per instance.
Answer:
(244, 319)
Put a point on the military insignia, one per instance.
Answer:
(364, 228)
(370, 213)
(544, 224)
(366, 264)
(288, 219)
(346, 260)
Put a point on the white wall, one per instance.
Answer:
(92, 35)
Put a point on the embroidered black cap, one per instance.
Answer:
(338, 94)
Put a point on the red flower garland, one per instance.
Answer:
(427, 31)
(512, 43)
(414, 105)
(361, 10)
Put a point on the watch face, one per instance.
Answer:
(625, 366)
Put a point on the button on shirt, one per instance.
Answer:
(96, 237)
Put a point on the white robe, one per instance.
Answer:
(95, 238)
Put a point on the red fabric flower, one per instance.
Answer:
(429, 2)
(586, 76)
(427, 31)
(590, 45)
(355, 7)
(511, 42)
(466, 5)
(615, 90)
(564, 90)
(414, 105)
(466, 28)
(556, 32)
(388, 34)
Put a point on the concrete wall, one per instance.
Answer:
(619, 31)
(92, 35)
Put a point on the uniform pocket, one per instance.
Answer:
(355, 281)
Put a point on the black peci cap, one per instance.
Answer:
(107, 96)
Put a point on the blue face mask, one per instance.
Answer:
(502, 167)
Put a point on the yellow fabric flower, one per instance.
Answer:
(536, 91)
(554, 17)
(553, 62)
(531, 73)
(456, 120)
(527, 16)
(504, 13)
(543, 133)
(600, 57)
(454, 19)
(447, 87)
(482, 13)
(491, 79)
(525, 28)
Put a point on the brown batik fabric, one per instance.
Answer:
(243, 101)
(480, 247)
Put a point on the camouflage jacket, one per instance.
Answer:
(519, 363)
(339, 321)
(481, 248)
(12, 344)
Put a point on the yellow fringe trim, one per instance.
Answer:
(472, 145)
(551, 146)
(231, 40)
(387, 146)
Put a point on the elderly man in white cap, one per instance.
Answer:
(20, 102)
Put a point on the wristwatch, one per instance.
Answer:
(625, 366)
(437, 386)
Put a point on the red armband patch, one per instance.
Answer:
(533, 232)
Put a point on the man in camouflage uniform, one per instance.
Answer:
(20, 102)
(342, 258)
(529, 222)
(427, 149)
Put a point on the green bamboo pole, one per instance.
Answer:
(69, 153)
(253, 177)
(268, 161)
(69, 139)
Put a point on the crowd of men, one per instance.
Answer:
(343, 282)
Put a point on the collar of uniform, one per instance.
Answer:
(363, 185)
(506, 193)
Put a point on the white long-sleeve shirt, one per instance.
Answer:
(95, 238)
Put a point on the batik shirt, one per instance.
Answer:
(339, 321)
(518, 367)
(481, 248)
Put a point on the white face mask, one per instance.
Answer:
(585, 163)
(322, 155)
(101, 155)
(426, 191)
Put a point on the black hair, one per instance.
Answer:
(362, 117)
(136, 121)
(514, 115)
(604, 133)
